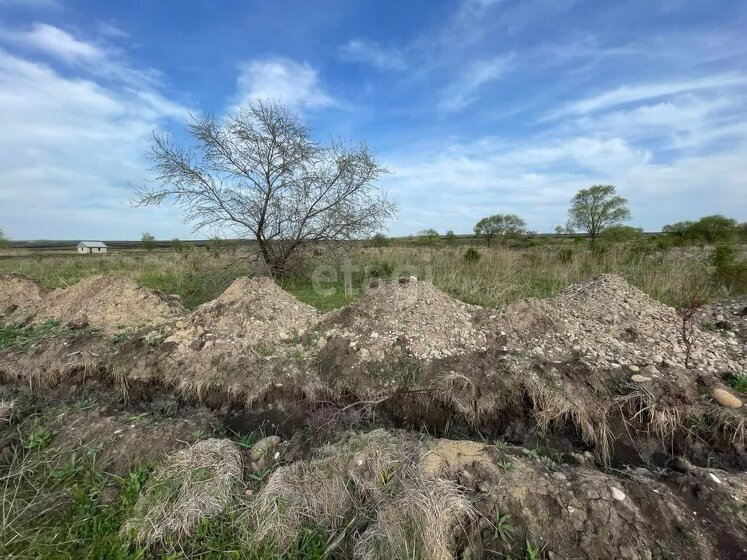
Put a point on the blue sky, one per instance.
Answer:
(477, 107)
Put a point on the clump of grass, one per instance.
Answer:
(738, 382)
(192, 484)
(22, 337)
(372, 483)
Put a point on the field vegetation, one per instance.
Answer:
(465, 269)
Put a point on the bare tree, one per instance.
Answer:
(258, 174)
(595, 209)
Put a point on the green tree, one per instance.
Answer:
(715, 228)
(499, 225)
(3, 239)
(709, 229)
(595, 209)
(428, 237)
(450, 237)
(148, 241)
(617, 234)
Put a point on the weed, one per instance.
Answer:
(534, 552)
(22, 337)
(38, 438)
(738, 382)
(260, 476)
(504, 529)
(505, 465)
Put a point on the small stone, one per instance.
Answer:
(725, 398)
(633, 368)
(651, 370)
(263, 447)
(640, 378)
(714, 478)
(658, 359)
(618, 494)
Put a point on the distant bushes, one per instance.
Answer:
(708, 229)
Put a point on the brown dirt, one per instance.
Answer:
(18, 294)
(110, 303)
(127, 438)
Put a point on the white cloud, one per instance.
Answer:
(100, 59)
(56, 42)
(381, 58)
(69, 150)
(284, 80)
(536, 179)
(464, 90)
(643, 92)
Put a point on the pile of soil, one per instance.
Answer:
(406, 316)
(609, 325)
(234, 343)
(18, 294)
(250, 312)
(109, 303)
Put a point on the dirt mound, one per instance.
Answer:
(250, 312)
(242, 343)
(18, 293)
(109, 303)
(610, 324)
(409, 317)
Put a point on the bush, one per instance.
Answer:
(472, 255)
(428, 237)
(618, 234)
(729, 272)
(379, 240)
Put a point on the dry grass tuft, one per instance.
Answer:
(373, 481)
(419, 522)
(553, 405)
(192, 483)
(6, 411)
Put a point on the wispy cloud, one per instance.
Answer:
(465, 89)
(284, 80)
(99, 58)
(367, 52)
(643, 92)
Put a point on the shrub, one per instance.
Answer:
(428, 237)
(379, 240)
(729, 272)
(472, 255)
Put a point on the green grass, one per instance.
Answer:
(502, 275)
(738, 382)
(54, 508)
(22, 337)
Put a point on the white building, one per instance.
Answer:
(91, 247)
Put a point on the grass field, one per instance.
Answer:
(501, 274)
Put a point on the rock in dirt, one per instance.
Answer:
(109, 303)
(617, 494)
(725, 398)
(262, 453)
(640, 378)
